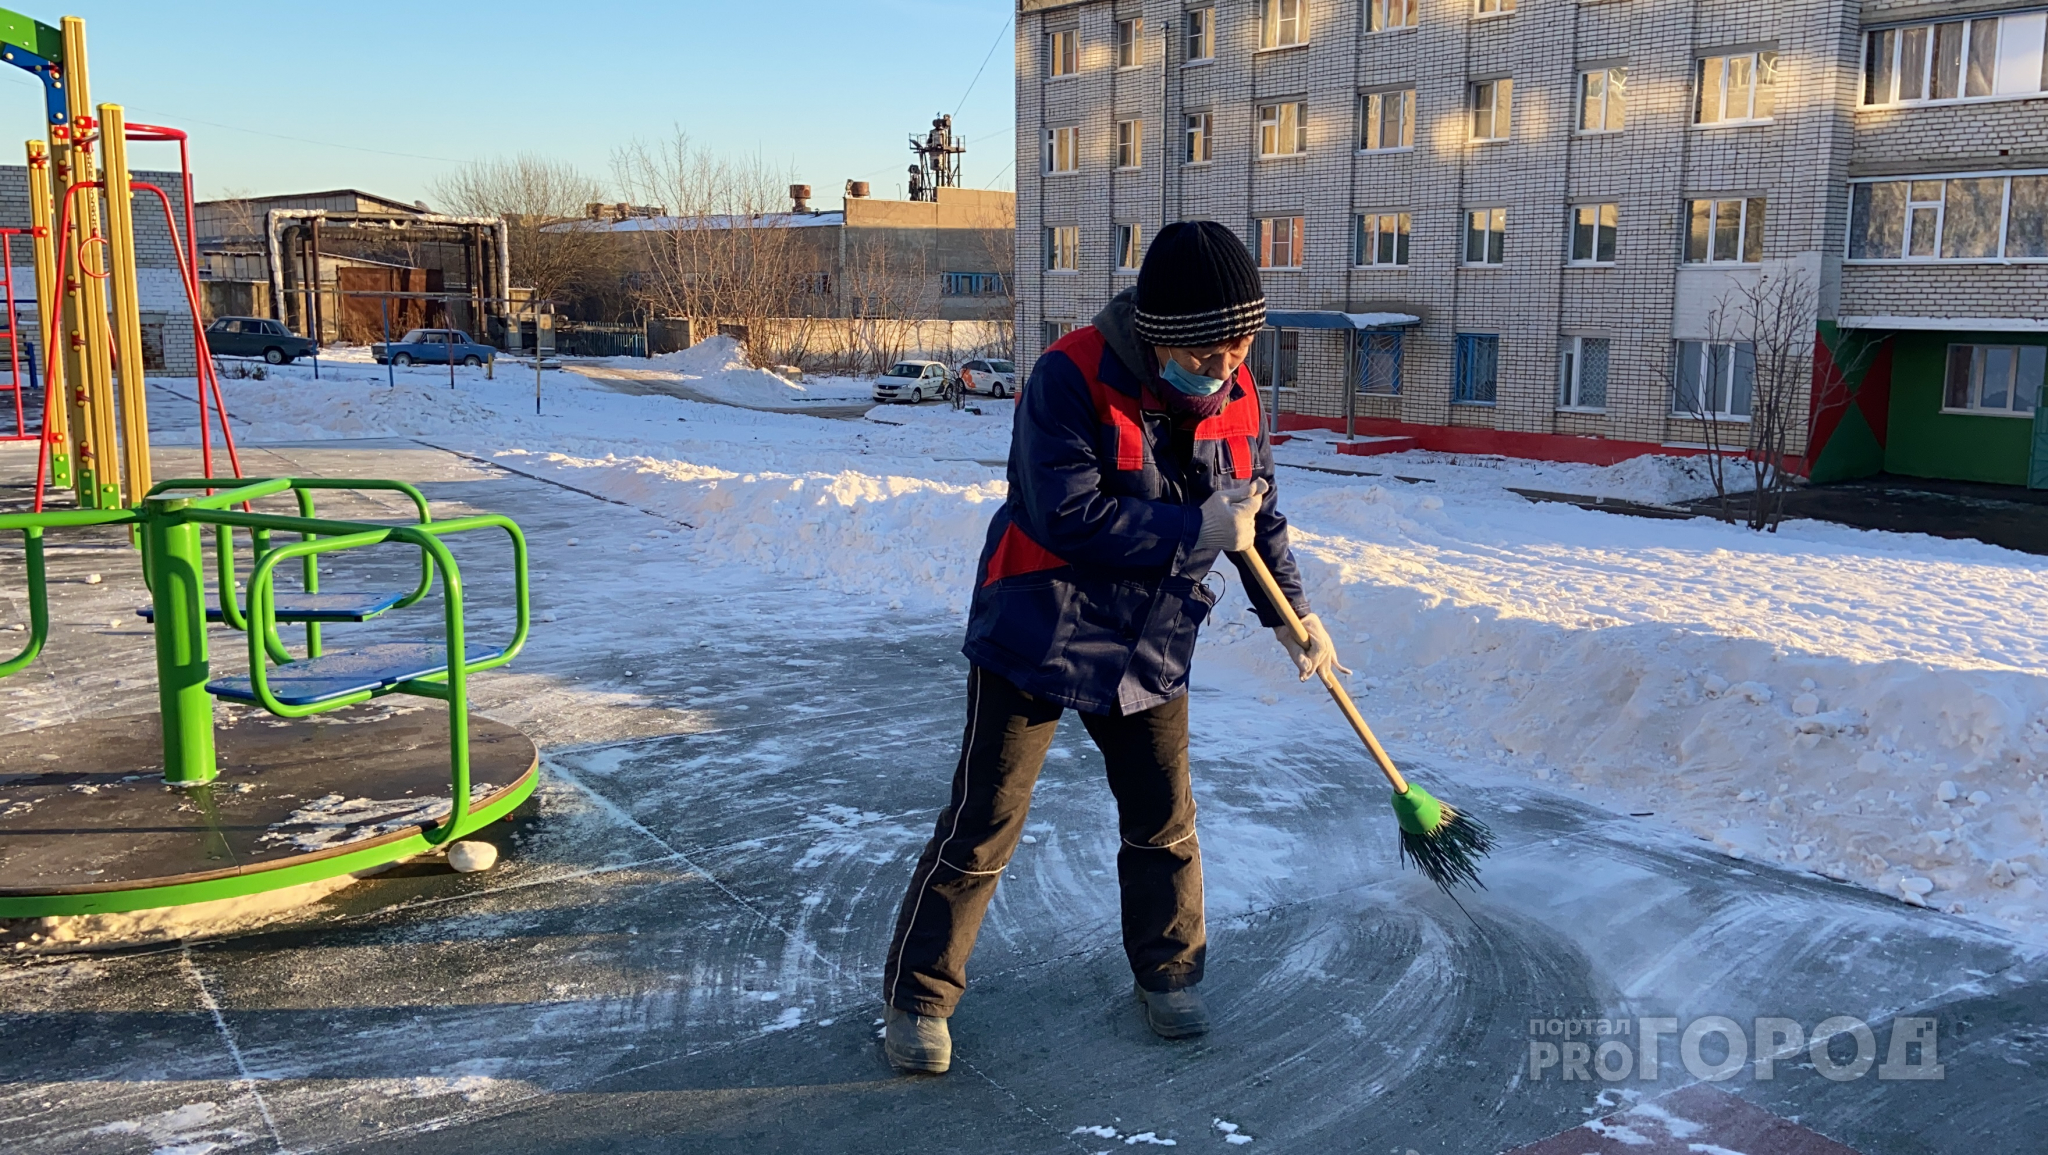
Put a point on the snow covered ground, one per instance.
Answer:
(1868, 706)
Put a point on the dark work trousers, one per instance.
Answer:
(1158, 867)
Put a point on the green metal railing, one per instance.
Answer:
(171, 522)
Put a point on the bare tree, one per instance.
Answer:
(1766, 332)
(727, 252)
(886, 286)
(543, 203)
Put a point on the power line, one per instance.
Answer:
(303, 139)
(984, 65)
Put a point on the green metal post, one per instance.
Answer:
(177, 563)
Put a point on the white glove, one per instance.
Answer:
(1321, 651)
(1231, 523)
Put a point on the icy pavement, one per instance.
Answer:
(682, 946)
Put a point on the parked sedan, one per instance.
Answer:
(990, 376)
(432, 347)
(911, 381)
(256, 337)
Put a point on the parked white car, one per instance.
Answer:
(990, 376)
(912, 381)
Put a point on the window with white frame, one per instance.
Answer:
(1380, 239)
(1582, 373)
(1984, 57)
(1128, 251)
(1475, 375)
(1714, 380)
(1283, 128)
(1738, 88)
(2001, 380)
(1386, 119)
(1491, 101)
(1062, 149)
(1593, 233)
(1130, 43)
(1950, 218)
(1062, 248)
(1279, 242)
(1723, 230)
(1603, 99)
(1387, 15)
(1130, 143)
(1379, 362)
(1199, 125)
(1284, 23)
(1486, 236)
(1063, 52)
(1201, 34)
(1495, 7)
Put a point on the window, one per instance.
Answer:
(1387, 119)
(1283, 128)
(972, 284)
(1714, 380)
(1496, 7)
(1382, 239)
(1199, 124)
(1062, 150)
(2000, 379)
(1063, 52)
(1128, 252)
(1725, 230)
(1593, 230)
(1385, 15)
(1603, 96)
(1582, 373)
(1280, 242)
(1379, 362)
(1491, 102)
(1050, 331)
(1476, 377)
(1130, 43)
(1276, 359)
(1130, 136)
(1486, 236)
(1285, 24)
(1201, 38)
(1989, 56)
(1958, 218)
(1062, 248)
(1735, 89)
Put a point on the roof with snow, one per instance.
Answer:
(712, 221)
(1332, 319)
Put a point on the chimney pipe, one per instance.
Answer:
(857, 188)
(799, 198)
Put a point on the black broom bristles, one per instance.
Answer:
(1449, 856)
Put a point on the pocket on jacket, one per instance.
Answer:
(1029, 617)
(1193, 600)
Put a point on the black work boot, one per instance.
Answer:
(1175, 1014)
(918, 1043)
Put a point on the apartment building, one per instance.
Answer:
(1509, 225)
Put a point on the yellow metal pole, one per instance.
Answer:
(56, 402)
(127, 310)
(88, 370)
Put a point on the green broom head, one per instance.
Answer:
(1443, 844)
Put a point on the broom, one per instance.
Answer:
(1444, 844)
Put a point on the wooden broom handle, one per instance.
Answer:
(1257, 565)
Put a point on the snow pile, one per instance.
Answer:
(718, 368)
(1869, 706)
(1657, 479)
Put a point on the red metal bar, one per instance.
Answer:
(14, 338)
(190, 275)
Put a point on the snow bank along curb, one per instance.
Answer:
(1925, 782)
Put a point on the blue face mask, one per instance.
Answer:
(1192, 384)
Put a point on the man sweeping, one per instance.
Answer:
(1138, 456)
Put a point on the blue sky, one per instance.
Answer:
(283, 96)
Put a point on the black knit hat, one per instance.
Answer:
(1198, 287)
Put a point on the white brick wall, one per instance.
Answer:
(1799, 162)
